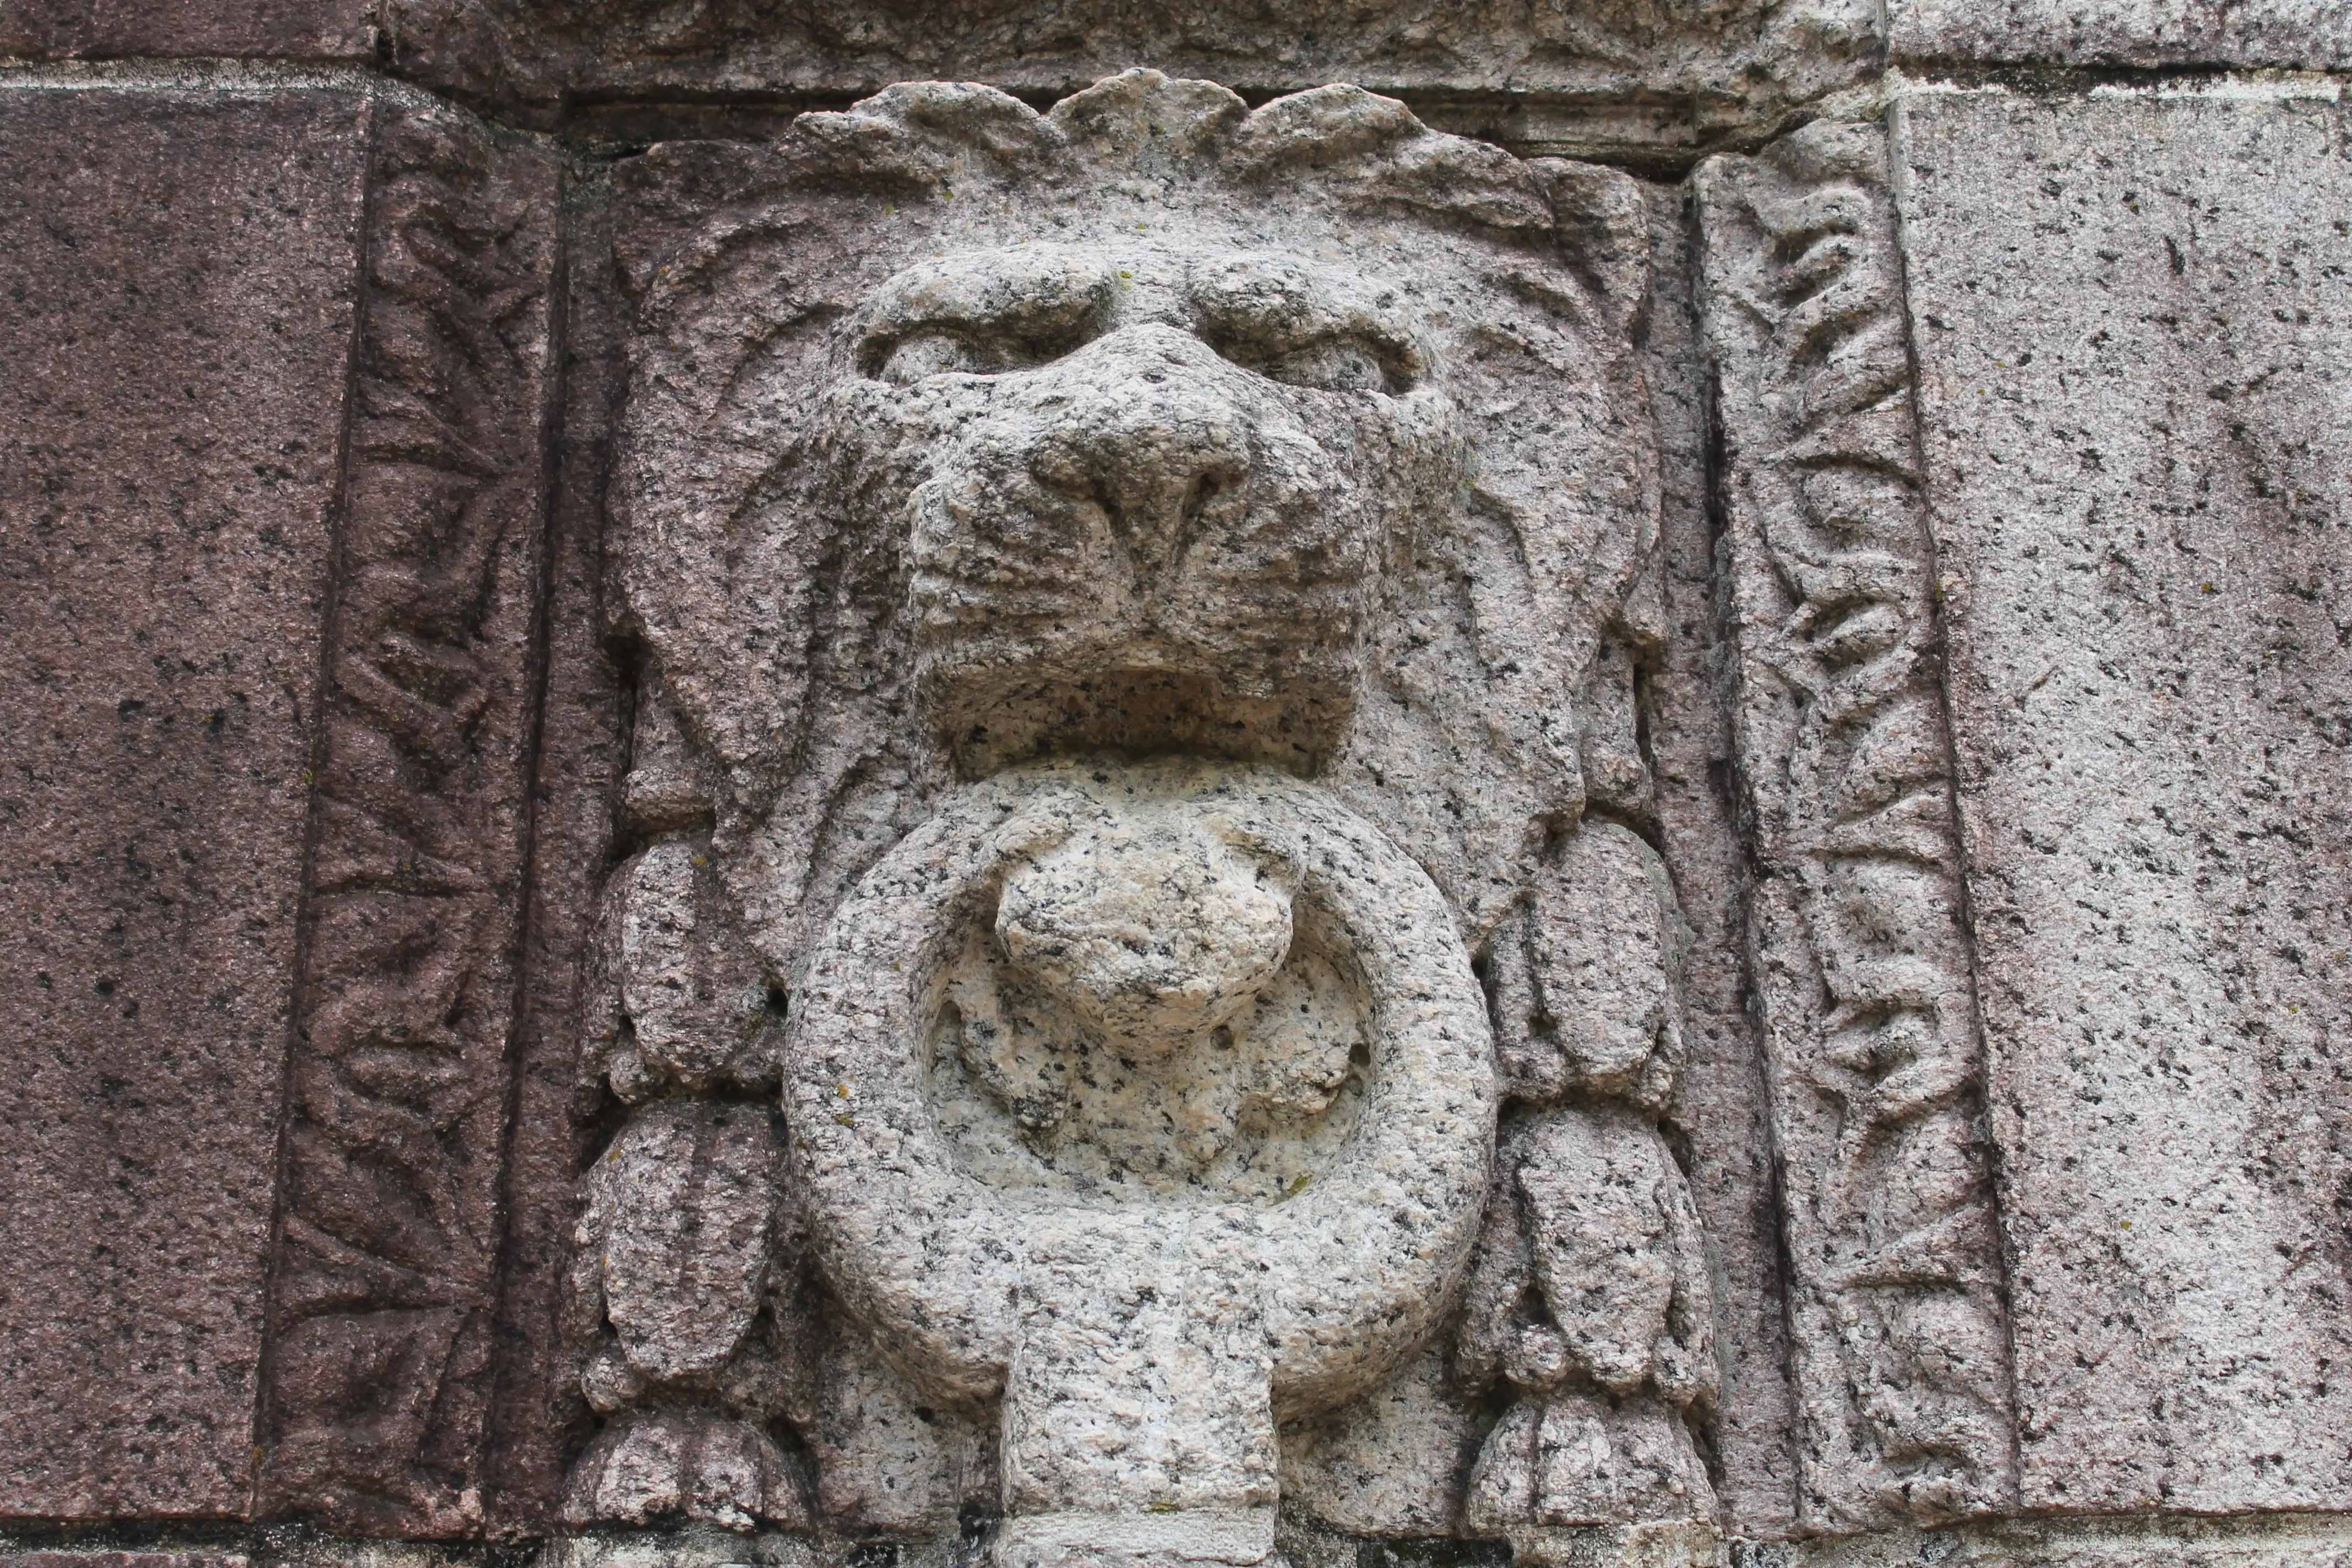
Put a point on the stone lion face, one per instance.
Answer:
(962, 435)
(1145, 490)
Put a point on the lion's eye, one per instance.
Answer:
(1333, 364)
(965, 350)
(1340, 363)
(928, 354)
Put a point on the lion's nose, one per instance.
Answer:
(1142, 423)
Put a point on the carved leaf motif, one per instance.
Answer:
(1583, 1459)
(694, 998)
(1593, 1005)
(687, 1192)
(1863, 964)
(375, 1387)
(1592, 1269)
(1611, 1252)
(668, 1469)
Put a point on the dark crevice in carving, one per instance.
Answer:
(1724, 782)
(534, 915)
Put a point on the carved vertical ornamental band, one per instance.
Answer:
(1859, 955)
(388, 1208)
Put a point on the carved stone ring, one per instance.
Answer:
(1157, 1099)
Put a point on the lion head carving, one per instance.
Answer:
(961, 434)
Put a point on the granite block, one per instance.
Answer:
(181, 29)
(177, 285)
(2132, 316)
(2310, 35)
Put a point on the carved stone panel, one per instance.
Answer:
(382, 1286)
(1036, 819)
(1858, 949)
(1136, 605)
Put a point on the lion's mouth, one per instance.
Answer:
(1048, 624)
(994, 719)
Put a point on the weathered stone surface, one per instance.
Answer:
(177, 280)
(2311, 35)
(384, 1286)
(1256, 648)
(1150, 932)
(693, 1546)
(1609, 1249)
(119, 29)
(72, 1559)
(889, 1462)
(1857, 950)
(1583, 78)
(2161, 1541)
(1580, 1458)
(1391, 1463)
(2132, 319)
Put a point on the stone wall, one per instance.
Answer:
(1346, 783)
